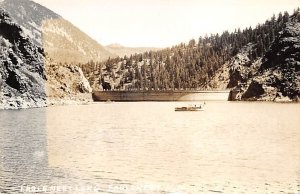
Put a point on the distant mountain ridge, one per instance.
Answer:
(62, 41)
(121, 50)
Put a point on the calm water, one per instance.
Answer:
(149, 148)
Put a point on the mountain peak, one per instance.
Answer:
(28, 9)
(62, 41)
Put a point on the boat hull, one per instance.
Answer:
(189, 109)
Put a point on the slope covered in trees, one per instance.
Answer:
(184, 66)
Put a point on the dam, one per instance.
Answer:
(162, 95)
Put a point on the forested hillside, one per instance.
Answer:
(191, 65)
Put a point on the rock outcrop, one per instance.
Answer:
(273, 77)
(21, 68)
(278, 77)
(29, 79)
(66, 83)
(237, 71)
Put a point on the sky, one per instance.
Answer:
(163, 23)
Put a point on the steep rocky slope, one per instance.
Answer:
(66, 83)
(62, 41)
(21, 68)
(273, 77)
(29, 79)
(237, 71)
(278, 77)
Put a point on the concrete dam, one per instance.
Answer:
(168, 95)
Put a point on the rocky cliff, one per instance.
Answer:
(277, 77)
(237, 71)
(22, 72)
(66, 83)
(28, 78)
(272, 77)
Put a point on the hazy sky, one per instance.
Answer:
(161, 23)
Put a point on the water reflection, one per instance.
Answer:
(23, 149)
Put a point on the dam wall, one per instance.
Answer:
(176, 95)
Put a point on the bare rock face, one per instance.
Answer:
(278, 78)
(273, 77)
(241, 68)
(27, 78)
(84, 84)
(254, 89)
(65, 82)
(21, 68)
(237, 72)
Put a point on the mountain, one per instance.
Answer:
(62, 41)
(121, 51)
(28, 78)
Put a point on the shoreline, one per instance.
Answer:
(20, 104)
(75, 102)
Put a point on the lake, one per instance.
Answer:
(147, 147)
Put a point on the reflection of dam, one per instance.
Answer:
(171, 95)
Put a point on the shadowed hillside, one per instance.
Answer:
(21, 67)
(278, 77)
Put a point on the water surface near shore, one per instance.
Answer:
(147, 147)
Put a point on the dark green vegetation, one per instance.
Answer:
(185, 66)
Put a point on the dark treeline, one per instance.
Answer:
(185, 66)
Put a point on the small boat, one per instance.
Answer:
(190, 108)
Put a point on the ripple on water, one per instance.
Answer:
(229, 148)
